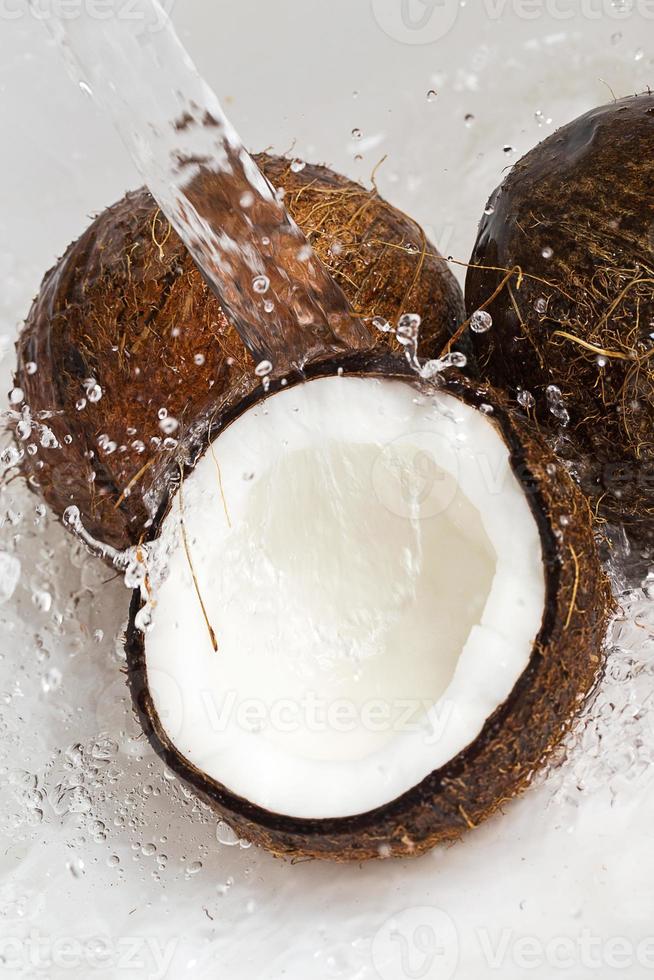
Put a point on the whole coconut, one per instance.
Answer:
(567, 246)
(125, 347)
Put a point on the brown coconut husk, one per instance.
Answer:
(582, 317)
(128, 308)
(516, 740)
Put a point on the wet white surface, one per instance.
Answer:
(109, 866)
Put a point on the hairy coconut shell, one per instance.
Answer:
(127, 309)
(570, 233)
(516, 739)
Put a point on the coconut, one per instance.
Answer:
(126, 346)
(378, 606)
(564, 265)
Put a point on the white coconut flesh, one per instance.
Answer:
(373, 575)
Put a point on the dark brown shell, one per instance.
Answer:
(516, 739)
(587, 194)
(127, 307)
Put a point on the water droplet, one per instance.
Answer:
(469, 119)
(246, 200)
(526, 399)
(297, 166)
(263, 369)
(42, 599)
(489, 209)
(507, 148)
(31, 367)
(261, 284)
(356, 134)
(169, 425)
(408, 327)
(481, 321)
(601, 360)
(149, 849)
(432, 95)
(10, 569)
(381, 324)
(454, 359)
(556, 404)
(16, 396)
(143, 620)
(541, 305)
(199, 359)
(194, 868)
(76, 867)
(86, 88)
(547, 252)
(93, 390)
(51, 681)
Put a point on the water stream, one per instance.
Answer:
(282, 300)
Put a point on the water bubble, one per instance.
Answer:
(263, 369)
(525, 398)
(481, 321)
